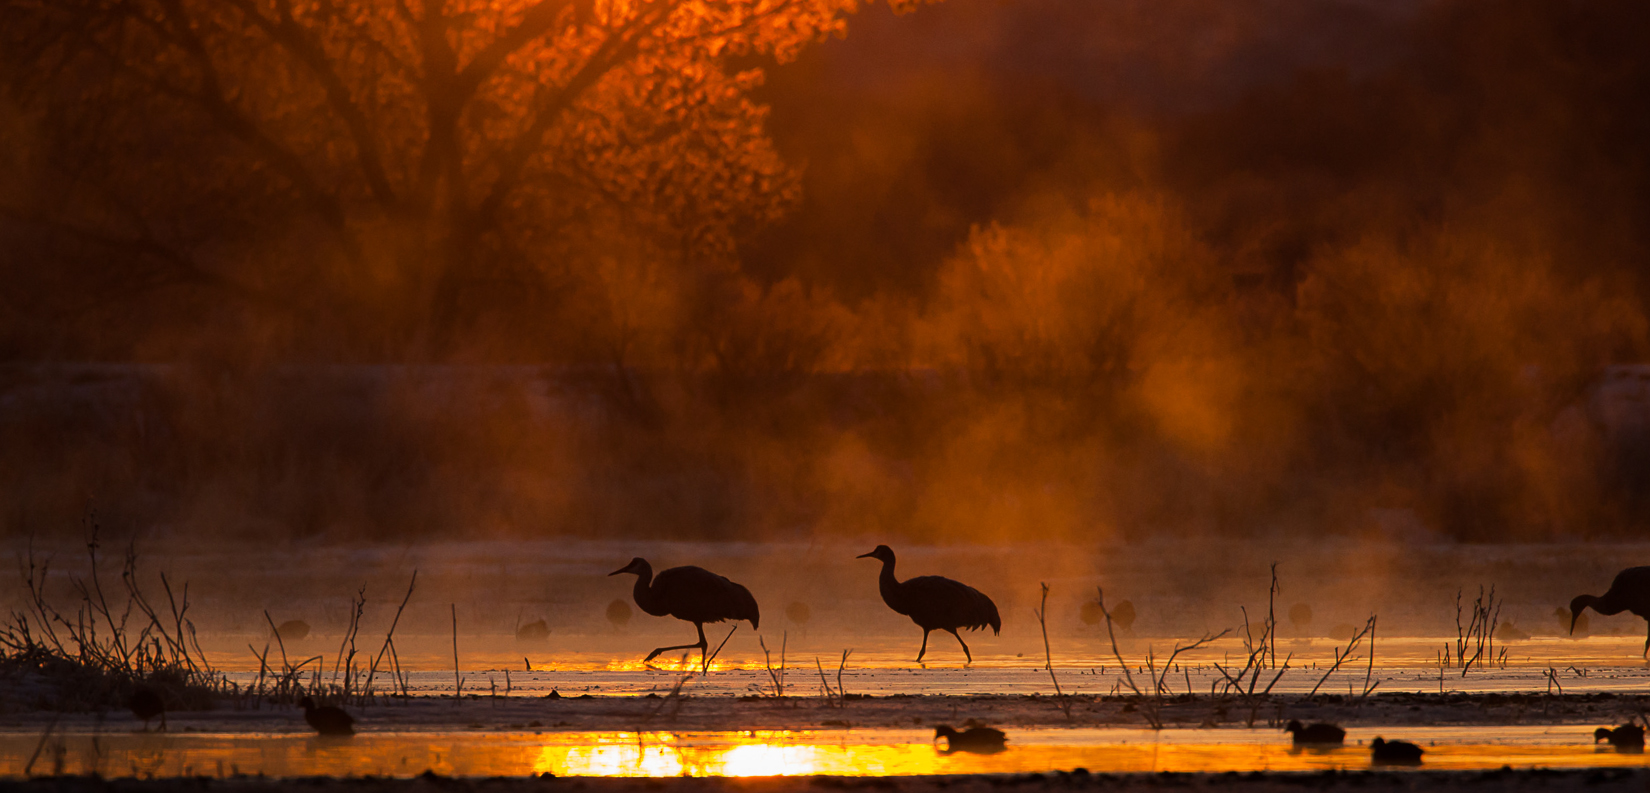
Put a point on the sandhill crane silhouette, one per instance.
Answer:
(935, 603)
(693, 594)
(1629, 592)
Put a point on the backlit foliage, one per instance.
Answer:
(419, 156)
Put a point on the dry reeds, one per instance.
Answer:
(93, 656)
(350, 681)
(1477, 636)
(1342, 655)
(1151, 705)
(777, 677)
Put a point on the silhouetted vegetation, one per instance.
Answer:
(95, 655)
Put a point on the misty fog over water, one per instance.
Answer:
(1051, 271)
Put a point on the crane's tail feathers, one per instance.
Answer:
(747, 608)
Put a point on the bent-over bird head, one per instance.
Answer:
(944, 730)
(637, 565)
(882, 552)
(1580, 602)
(1603, 734)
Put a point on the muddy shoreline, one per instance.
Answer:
(711, 713)
(1077, 779)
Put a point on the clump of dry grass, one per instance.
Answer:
(93, 655)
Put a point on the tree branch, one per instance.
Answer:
(621, 44)
(211, 98)
(290, 34)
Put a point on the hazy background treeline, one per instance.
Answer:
(987, 270)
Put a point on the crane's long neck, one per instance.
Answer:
(1610, 604)
(889, 584)
(643, 591)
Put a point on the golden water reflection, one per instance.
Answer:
(845, 753)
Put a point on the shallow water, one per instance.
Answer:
(834, 752)
(882, 677)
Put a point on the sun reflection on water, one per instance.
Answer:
(780, 753)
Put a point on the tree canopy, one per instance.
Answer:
(412, 159)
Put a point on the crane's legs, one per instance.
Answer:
(924, 649)
(702, 645)
(1647, 642)
(966, 653)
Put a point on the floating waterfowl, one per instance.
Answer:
(326, 719)
(979, 740)
(1395, 752)
(1627, 736)
(1319, 733)
(146, 703)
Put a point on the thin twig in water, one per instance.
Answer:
(1343, 655)
(712, 657)
(1048, 656)
(389, 636)
(767, 660)
(458, 682)
(841, 689)
(675, 696)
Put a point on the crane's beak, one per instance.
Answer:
(866, 555)
(624, 569)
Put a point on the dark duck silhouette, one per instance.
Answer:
(1315, 734)
(146, 704)
(979, 740)
(1627, 736)
(935, 603)
(1395, 752)
(693, 594)
(1629, 592)
(326, 719)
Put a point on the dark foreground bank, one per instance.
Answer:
(1255, 782)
